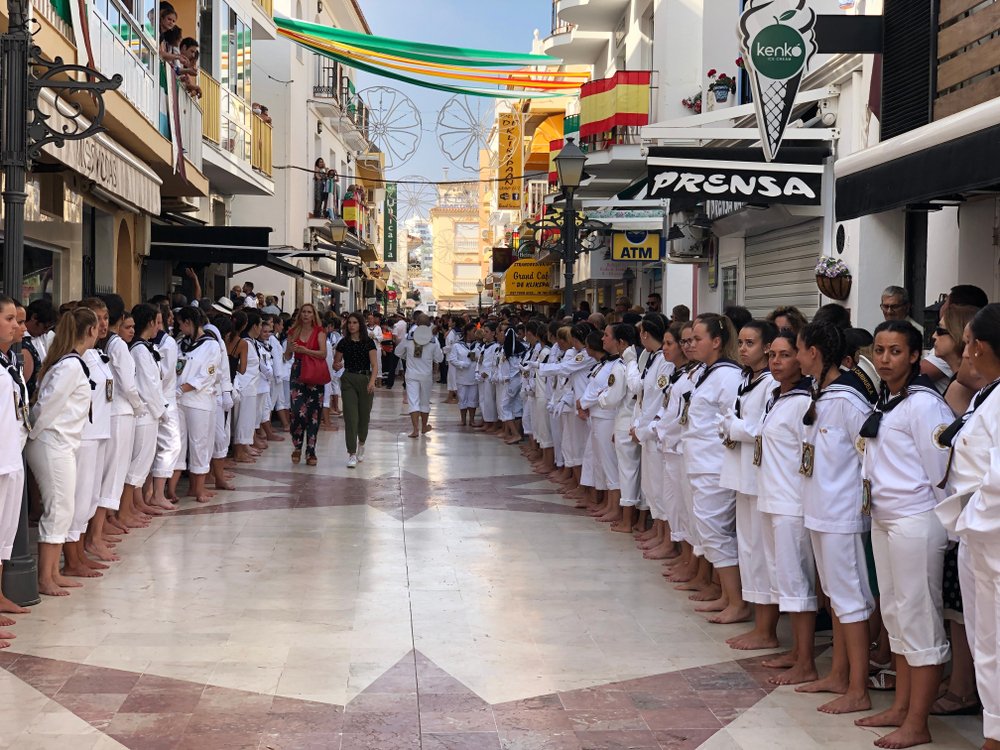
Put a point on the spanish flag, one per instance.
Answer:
(554, 148)
(619, 101)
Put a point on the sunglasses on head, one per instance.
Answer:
(939, 331)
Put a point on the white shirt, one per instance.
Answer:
(247, 380)
(831, 497)
(147, 378)
(198, 367)
(738, 471)
(463, 358)
(905, 462)
(279, 365)
(223, 375)
(608, 374)
(168, 367)
(420, 366)
(126, 401)
(654, 376)
(714, 392)
(250, 301)
(667, 424)
(265, 366)
(99, 427)
(399, 331)
(11, 423)
(779, 486)
(63, 405)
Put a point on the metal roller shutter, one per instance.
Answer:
(780, 269)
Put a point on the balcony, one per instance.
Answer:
(356, 114)
(327, 82)
(591, 15)
(190, 115)
(210, 104)
(122, 45)
(574, 46)
(260, 145)
(263, 20)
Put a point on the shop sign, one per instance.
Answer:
(528, 281)
(636, 246)
(776, 56)
(511, 162)
(104, 161)
(743, 182)
(389, 245)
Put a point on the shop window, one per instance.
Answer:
(730, 287)
(51, 195)
(40, 274)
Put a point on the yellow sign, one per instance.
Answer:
(511, 163)
(636, 246)
(528, 281)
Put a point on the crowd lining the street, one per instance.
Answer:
(774, 466)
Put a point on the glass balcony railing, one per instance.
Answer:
(260, 145)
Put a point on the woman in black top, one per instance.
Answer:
(356, 355)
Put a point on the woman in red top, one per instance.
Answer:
(306, 339)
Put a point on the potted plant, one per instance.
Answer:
(722, 85)
(693, 103)
(833, 278)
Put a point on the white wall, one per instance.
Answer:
(977, 259)
(942, 252)
(677, 54)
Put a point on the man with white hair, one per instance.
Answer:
(420, 351)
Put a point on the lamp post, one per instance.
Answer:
(569, 167)
(479, 291)
(628, 276)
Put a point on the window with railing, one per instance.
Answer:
(234, 84)
(558, 25)
(122, 43)
(328, 78)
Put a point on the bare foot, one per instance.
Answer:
(711, 605)
(828, 684)
(706, 594)
(752, 642)
(689, 585)
(48, 588)
(794, 676)
(621, 527)
(682, 577)
(224, 486)
(93, 564)
(83, 571)
(276, 439)
(162, 503)
(904, 737)
(6, 622)
(609, 518)
(135, 523)
(5, 636)
(427, 428)
(665, 551)
(66, 583)
(11, 608)
(205, 497)
(887, 718)
(246, 460)
(732, 614)
(781, 661)
(413, 435)
(102, 552)
(847, 704)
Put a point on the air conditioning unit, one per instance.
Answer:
(688, 251)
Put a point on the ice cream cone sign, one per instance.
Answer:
(778, 41)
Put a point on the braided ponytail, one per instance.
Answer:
(829, 339)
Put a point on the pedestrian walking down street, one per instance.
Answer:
(357, 357)
(306, 347)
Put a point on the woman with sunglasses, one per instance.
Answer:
(903, 463)
(971, 511)
(830, 463)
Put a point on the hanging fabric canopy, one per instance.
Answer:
(402, 61)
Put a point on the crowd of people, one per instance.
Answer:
(844, 477)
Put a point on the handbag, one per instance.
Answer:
(310, 370)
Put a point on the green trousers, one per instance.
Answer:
(357, 408)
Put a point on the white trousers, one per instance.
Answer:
(11, 494)
(556, 428)
(574, 438)
(981, 588)
(117, 457)
(197, 438)
(452, 378)
(143, 453)
(418, 393)
(279, 395)
(627, 454)
(223, 433)
(591, 471)
(673, 500)
(715, 517)
(601, 433)
(246, 419)
(508, 395)
(843, 574)
(909, 561)
(263, 407)
(487, 400)
(540, 422)
(55, 472)
(527, 413)
(168, 443)
(468, 396)
(790, 563)
(687, 493)
(89, 474)
(754, 574)
(651, 478)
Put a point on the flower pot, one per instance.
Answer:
(837, 287)
(721, 94)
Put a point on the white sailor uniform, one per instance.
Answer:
(168, 432)
(787, 544)
(126, 404)
(669, 431)
(282, 370)
(831, 492)
(714, 506)
(903, 464)
(147, 378)
(91, 455)
(741, 429)
(198, 367)
(605, 374)
(245, 421)
(13, 417)
(420, 362)
(574, 368)
(484, 375)
(223, 398)
(553, 388)
(619, 398)
(61, 410)
(653, 378)
(462, 360)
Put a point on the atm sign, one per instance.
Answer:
(636, 246)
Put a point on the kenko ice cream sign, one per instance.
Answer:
(778, 41)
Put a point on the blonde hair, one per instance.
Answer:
(72, 328)
(956, 318)
(294, 329)
(564, 334)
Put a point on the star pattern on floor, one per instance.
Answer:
(401, 497)
(413, 704)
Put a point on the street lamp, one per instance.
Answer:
(338, 231)
(479, 291)
(569, 167)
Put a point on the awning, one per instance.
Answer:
(954, 155)
(550, 129)
(329, 280)
(201, 245)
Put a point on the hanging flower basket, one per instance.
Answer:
(837, 287)
(721, 93)
(833, 278)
